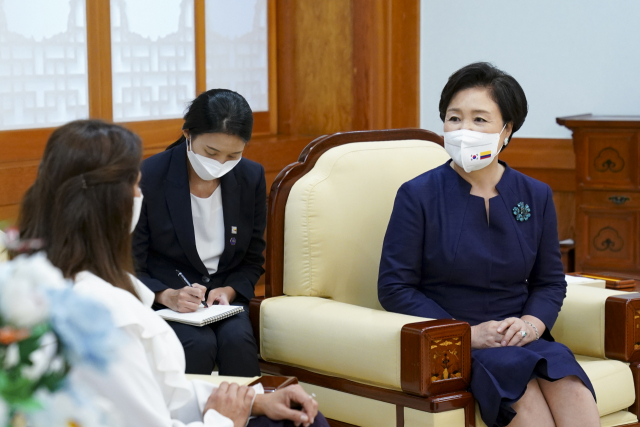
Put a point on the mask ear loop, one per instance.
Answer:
(506, 140)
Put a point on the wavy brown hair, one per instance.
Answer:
(81, 203)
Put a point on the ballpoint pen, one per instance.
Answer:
(184, 279)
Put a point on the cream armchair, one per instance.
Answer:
(321, 320)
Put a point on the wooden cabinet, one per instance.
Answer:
(607, 232)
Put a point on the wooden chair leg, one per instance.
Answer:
(470, 413)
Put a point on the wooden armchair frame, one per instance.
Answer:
(425, 386)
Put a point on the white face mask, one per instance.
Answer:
(206, 168)
(472, 150)
(137, 208)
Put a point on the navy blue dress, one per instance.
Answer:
(441, 259)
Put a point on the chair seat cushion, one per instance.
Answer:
(619, 418)
(613, 382)
(333, 338)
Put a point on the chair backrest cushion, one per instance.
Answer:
(337, 214)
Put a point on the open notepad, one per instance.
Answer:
(203, 316)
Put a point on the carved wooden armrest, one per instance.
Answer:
(435, 357)
(622, 327)
(622, 335)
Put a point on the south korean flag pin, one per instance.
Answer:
(234, 230)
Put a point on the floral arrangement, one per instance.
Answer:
(47, 332)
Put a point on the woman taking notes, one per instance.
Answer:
(204, 215)
(477, 241)
(83, 205)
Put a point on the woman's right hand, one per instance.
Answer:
(185, 300)
(232, 401)
(486, 335)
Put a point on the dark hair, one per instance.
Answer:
(81, 203)
(504, 90)
(218, 111)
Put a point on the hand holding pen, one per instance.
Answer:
(184, 279)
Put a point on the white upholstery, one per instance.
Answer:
(358, 343)
(580, 325)
(415, 418)
(358, 182)
(619, 418)
(612, 382)
(365, 412)
(352, 409)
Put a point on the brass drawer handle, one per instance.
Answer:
(619, 200)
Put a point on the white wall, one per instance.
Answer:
(570, 56)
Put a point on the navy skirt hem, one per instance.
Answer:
(499, 376)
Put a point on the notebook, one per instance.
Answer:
(584, 281)
(203, 316)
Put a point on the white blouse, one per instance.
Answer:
(146, 381)
(208, 226)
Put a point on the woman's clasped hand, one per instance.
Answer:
(505, 333)
(239, 402)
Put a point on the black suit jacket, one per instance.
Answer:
(164, 239)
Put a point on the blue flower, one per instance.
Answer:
(85, 327)
(522, 212)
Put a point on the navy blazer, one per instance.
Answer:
(442, 259)
(164, 239)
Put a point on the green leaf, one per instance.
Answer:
(29, 405)
(26, 347)
(17, 391)
(52, 381)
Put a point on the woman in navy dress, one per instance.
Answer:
(477, 241)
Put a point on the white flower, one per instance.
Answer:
(73, 407)
(4, 413)
(57, 364)
(23, 285)
(22, 304)
(41, 358)
(38, 270)
(11, 357)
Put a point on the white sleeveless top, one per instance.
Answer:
(208, 226)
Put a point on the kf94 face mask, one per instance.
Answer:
(472, 150)
(206, 168)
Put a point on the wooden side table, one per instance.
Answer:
(607, 233)
(567, 251)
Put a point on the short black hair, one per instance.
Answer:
(218, 111)
(504, 90)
